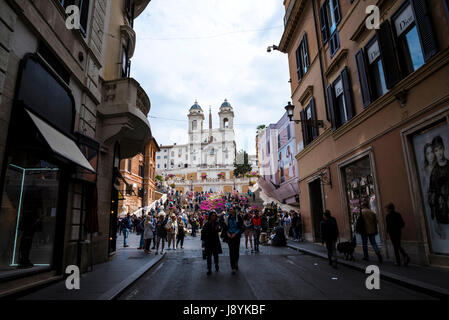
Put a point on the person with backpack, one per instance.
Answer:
(366, 226)
(181, 233)
(395, 224)
(257, 226)
(329, 236)
(232, 231)
(148, 233)
(126, 227)
(211, 241)
(140, 227)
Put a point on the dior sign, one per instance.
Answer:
(405, 19)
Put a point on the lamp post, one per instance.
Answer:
(290, 108)
(191, 183)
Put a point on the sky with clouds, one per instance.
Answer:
(211, 50)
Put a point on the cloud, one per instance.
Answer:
(211, 50)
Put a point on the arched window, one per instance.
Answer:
(212, 151)
(194, 125)
(226, 123)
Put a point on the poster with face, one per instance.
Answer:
(287, 162)
(432, 154)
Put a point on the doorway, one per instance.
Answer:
(316, 207)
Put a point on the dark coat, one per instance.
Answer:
(329, 230)
(209, 234)
(279, 237)
(395, 223)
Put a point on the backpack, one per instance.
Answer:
(360, 225)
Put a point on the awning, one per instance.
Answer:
(61, 144)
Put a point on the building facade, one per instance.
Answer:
(384, 98)
(196, 166)
(60, 151)
(138, 189)
(278, 166)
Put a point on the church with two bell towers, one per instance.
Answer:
(206, 162)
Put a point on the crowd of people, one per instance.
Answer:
(165, 227)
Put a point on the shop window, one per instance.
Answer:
(359, 185)
(414, 34)
(340, 100)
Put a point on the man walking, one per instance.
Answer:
(127, 226)
(395, 223)
(368, 231)
(329, 235)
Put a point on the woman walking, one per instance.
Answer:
(232, 231)
(148, 233)
(248, 226)
(211, 241)
(181, 233)
(172, 229)
(161, 232)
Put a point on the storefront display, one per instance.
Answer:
(432, 160)
(359, 182)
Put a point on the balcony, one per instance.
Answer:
(124, 111)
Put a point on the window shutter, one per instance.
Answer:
(425, 29)
(363, 78)
(387, 51)
(298, 62)
(334, 43)
(337, 13)
(84, 15)
(347, 92)
(306, 51)
(324, 26)
(303, 128)
(331, 104)
(313, 109)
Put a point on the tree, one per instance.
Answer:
(241, 164)
(159, 178)
(261, 127)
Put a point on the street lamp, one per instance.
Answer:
(191, 183)
(290, 108)
(273, 47)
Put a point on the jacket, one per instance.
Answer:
(148, 232)
(209, 234)
(370, 220)
(395, 223)
(224, 233)
(329, 230)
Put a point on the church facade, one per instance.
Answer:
(206, 162)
